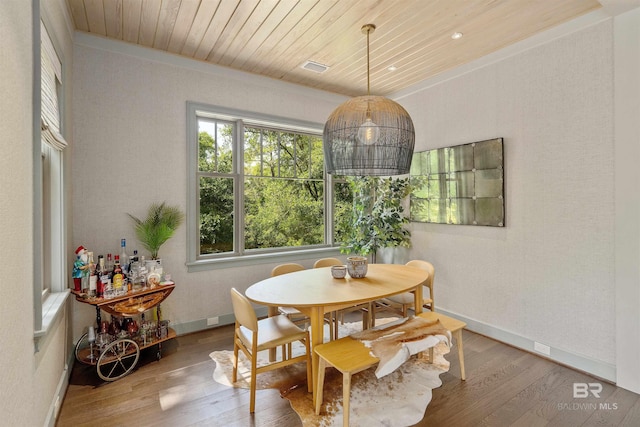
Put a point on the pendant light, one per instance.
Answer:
(368, 135)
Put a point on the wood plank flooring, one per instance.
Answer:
(505, 387)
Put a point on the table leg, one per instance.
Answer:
(418, 299)
(317, 336)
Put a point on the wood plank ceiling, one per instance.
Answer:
(275, 37)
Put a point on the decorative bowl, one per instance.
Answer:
(357, 266)
(338, 271)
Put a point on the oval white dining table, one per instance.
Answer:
(315, 292)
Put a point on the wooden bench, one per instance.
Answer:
(350, 356)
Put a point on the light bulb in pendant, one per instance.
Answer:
(369, 132)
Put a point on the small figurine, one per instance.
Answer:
(80, 268)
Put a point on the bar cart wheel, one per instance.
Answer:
(118, 359)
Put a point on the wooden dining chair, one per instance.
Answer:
(401, 303)
(252, 335)
(292, 313)
(327, 262)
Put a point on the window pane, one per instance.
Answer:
(216, 215)
(215, 142)
(317, 157)
(342, 206)
(252, 152)
(270, 153)
(287, 153)
(303, 155)
(283, 213)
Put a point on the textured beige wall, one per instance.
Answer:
(627, 137)
(548, 275)
(16, 301)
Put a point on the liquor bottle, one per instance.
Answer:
(109, 262)
(93, 278)
(124, 258)
(144, 272)
(100, 271)
(117, 277)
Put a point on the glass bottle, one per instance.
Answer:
(100, 271)
(118, 277)
(143, 272)
(93, 278)
(124, 257)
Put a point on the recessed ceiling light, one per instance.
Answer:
(316, 67)
(456, 36)
(392, 68)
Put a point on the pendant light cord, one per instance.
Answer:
(368, 77)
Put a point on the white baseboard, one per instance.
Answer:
(61, 390)
(594, 367)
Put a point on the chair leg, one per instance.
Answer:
(460, 353)
(365, 320)
(331, 328)
(346, 395)
(372, 315)
(252, 403)
(322, 365)
(234, 376)
(307, 346)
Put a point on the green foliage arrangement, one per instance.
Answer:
(159, 225)
(376, 220)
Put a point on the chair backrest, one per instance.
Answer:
(327, 262)
(243, 310)
(286, 268)
(427, 266)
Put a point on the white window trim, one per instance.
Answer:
(47, 306)
(194, 263)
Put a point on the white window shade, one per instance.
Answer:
(51, 78)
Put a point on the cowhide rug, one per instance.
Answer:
(396, 400)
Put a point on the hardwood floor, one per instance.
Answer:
(504, 387)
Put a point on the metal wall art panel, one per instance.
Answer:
(463, 184)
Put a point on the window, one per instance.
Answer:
(257, 186)
(50, 264)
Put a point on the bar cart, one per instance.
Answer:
(116, 355)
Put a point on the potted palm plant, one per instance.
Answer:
(158, 227)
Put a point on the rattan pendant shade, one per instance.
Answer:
(368, 135)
